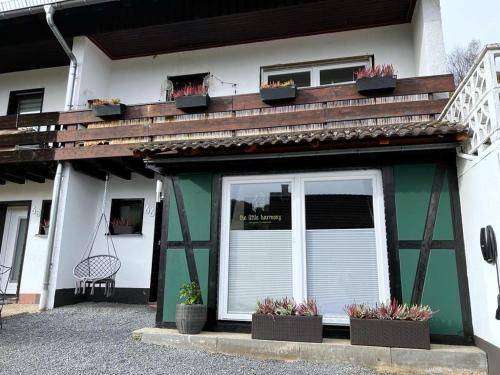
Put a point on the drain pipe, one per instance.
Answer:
(56, 192)
(49, 15)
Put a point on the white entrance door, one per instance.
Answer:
(14, 238)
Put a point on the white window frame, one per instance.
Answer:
(315, 68)
(299, 266)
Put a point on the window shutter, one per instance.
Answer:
(260, 265)
(341, 268)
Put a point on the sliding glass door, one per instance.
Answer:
(304, 236)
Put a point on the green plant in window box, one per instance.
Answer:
(190, 314)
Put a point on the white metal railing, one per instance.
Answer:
(476, 102)
(9, 5)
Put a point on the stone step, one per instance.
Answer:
(443, 359)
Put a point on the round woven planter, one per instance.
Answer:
(190, 319)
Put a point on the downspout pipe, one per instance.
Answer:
(49, 16)
(56, 191)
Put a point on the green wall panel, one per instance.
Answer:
(174, 226)
(176, 274)
(197, 193)
(442, 294)
(413, 184)
(408, 260)
(443, 229)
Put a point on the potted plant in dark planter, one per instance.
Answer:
(122, 226)
(380, 78)
(278, 91)
(284, 320)
(190, 314)
(191, 97)
(107, 107)
(390, 325)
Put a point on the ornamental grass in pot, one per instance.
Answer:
(380, 78)
(107, 107)
(191, 97)
(278, 91)
(190, 314)
(284, 320)
(391, 325)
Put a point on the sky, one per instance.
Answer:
(464, 20)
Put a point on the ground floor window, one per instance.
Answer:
(317, 235)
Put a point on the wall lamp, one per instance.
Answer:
(490, 255)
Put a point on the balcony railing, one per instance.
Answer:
(476, 102)
(80, 135)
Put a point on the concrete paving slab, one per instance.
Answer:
(441, 359)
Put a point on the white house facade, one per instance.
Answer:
(360, 192)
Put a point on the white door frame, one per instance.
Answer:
(14, 215)
(296, 182)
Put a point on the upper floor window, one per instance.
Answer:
(317, 73)
(25, 102)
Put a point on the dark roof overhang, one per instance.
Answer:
(147, 27)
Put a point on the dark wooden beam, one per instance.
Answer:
(31, 177)
(12, 178)
(26, 171)
(39, 171)
(114, 167)
(31, 138)
(36, 119)
(89, 170)
(138, 166)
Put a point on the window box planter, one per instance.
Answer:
(190, 319)
(287, 328)
(123, 229)
(192, 102)
(278, 93)
(109, 110)
(376, 84)
(390, 333)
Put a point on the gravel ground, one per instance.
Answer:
(96, 339)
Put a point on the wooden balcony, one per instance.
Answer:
(79, 135)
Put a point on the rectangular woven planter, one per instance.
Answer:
(287, 328)
(278, 93)
(109, 110)
(192, 102)
(376, 84)
(390, 333)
